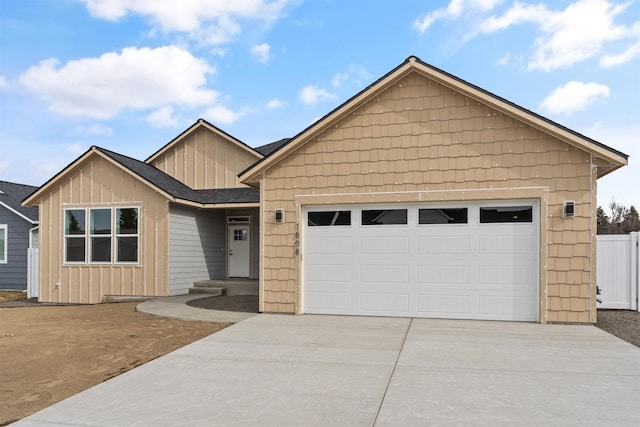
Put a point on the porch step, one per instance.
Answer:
(208, 287)
(226, 287)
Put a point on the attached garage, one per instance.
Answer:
(471, 260)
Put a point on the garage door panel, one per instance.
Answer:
(443, 304)
(497, 244)
(450, 245)
(384, 303)
(507, 274)
(323, 302)
(384, 245)
(384, 273)
(443, 274)
(330, 245)
(332, 272)
(507, 307)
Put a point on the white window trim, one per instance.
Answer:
(87, 236)
(64, 237)
(5, 227)
(91, 236)
(116, 235)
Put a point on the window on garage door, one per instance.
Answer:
(328, 218)
(443, 216)
(501, 214)
(384, 216)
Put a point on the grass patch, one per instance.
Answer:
(6, 296)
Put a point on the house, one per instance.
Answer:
(18, 233)
(423, 195)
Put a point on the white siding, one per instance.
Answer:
(197, 247)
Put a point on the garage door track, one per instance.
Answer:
(279, 370)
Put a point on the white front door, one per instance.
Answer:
(239, 250)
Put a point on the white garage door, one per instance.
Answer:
(460, 261)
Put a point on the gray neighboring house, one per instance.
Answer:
(18, 233)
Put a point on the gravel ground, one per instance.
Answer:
(243, 303)
(621, 323)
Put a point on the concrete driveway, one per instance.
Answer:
(279, 370)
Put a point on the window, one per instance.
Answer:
(100, 235)
(442, 216)
(127, 234)
(3, 244)
(96, 243)
(75, 235)
(506, 214)
(328, 218)
(384, 217)
(240, 235)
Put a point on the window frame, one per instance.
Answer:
(117, 235)
(65, 236)
(5, 249)
(113, 235)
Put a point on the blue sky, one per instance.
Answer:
(129, 75)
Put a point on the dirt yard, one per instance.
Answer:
(48, 353)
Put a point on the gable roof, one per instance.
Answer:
(607, 158)
(11, 197)
(199, 124)
(267, 149)
(170, 187)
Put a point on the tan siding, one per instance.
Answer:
(421, 136)
(205, 160)
(98, 182)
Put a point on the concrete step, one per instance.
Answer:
(212, 290)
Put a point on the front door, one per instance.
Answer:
(239, 250)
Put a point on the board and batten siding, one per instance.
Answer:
(197, 244)
(205, 160)
(422, 138)
(13, 272)
(99, 183)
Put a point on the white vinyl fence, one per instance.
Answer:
(32, 273)
(618, 260)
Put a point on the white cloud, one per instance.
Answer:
(572, 97)
(567, 36)
(454, 9)
(312, 95)
(95, 129)
(4, 84)
(164, 118)
(275, 103)
(261, 52)
(221, 115)
(136, 79)
(208, 21)
(633, 51)
(339, 78)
